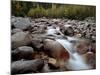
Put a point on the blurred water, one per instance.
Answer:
(76, 61)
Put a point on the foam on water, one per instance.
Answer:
(76, 61)
(66, 44)
(77, 64)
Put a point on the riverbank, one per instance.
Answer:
(29, 41)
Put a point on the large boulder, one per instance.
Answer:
(26, 66)
(23, 52)
(56, 50)
(20, 39)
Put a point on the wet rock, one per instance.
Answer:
(29, 66)
(23, 52)
(83, 47)
(90, 59)
(54, 49)
(20, 39)
(22, 23)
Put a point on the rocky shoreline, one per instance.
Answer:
(34, 45)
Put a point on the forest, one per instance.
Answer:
(51, 10)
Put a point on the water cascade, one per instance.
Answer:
(76, 61)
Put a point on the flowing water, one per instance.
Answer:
(76, 61)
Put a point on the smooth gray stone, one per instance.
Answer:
(29, 66)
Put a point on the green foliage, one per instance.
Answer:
(55, 12)
(36, 10)
(79, 12)
(20, 8)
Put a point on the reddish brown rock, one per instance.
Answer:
(56, 50)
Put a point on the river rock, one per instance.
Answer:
(57, 51)
(20, 39)
(67, 30)
(16, 30)
(22, 23)
(90, 59)
(26, 66)
(37, 43)
(54, 48)
(23, 52)
(83, 46)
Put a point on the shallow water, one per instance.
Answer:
(76, 61)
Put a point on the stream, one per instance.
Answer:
(50, 45)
